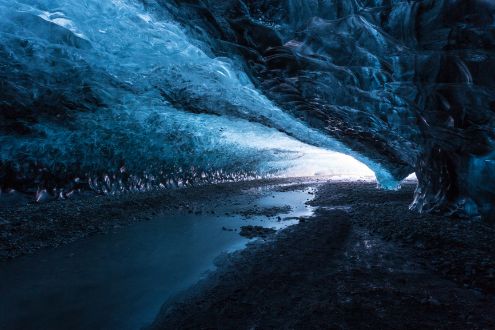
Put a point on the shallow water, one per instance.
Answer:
(120, 280)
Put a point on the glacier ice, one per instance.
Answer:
(133, 94)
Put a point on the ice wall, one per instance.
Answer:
(408, 84)
(112, 95)
(126, 93)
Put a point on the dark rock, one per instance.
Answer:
(256, 231)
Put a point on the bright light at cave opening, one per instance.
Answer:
(303, 159)
(318, 162)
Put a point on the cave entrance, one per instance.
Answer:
(329, 164)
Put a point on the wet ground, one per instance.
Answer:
(120, 280)
(355, 257)
(26, 226)
(364, 261)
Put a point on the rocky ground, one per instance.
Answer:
(26, 226)
(458, 249)
(364, 261)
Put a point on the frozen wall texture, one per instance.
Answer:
(134, 92)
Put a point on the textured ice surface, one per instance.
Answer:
(121, 97)
(136, 93)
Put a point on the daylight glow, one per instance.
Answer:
(306, 160)
(332, 164)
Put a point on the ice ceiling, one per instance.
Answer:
(133, 94)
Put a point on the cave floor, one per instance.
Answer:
(119, 278)
(26, 226)
(363, 261)
(354, 257)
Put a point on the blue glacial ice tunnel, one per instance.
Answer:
(136, 94)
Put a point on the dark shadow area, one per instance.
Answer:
(349, 267)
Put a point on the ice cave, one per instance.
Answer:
(353, 138)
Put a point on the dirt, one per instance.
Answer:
(26, 226)
(364, 261)
(458, 248)
(265, 211)
(256, 231)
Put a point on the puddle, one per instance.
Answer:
(120, 280)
